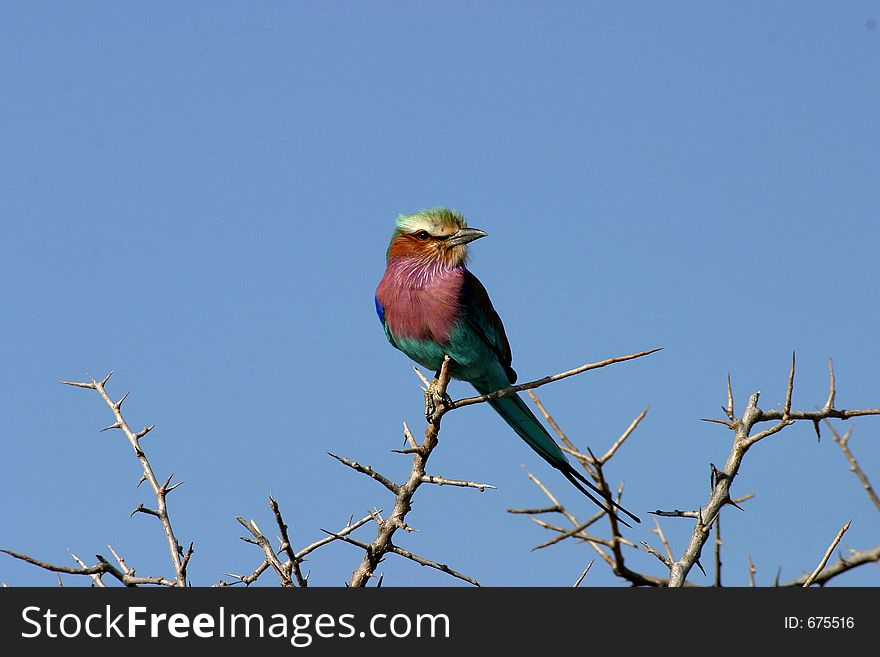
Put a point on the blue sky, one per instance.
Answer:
(199, 197)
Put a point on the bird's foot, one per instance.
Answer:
(433, 400)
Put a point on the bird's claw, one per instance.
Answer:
(433, 400)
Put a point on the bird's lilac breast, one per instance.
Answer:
(420, 304)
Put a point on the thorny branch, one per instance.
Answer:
(744, 439)
(437, 404)
(610, 550)
(282, 559)
(179, 557)
(746, 435)
(288, 570)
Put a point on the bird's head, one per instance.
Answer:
(433, 235)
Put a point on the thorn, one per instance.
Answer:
(78, 384)
(421, 376)
(164, 487)
(143, 432)
(118, 405)
(732, 503)
(700, 566)
(729, 409)
(818, 432)
(140, 481)
(115, 425)
(727, 424)
(832, 388)
(171, 488)
(786, 412)
(106, 379)
(139, 507)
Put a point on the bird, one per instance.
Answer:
(431, 306)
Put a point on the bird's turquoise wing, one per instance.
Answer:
(480, 316)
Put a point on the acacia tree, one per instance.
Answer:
(285, 560)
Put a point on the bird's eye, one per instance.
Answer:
(423, 235)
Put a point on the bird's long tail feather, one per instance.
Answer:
(514, 411)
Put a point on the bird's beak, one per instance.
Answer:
(464, 236)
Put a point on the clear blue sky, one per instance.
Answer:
(199, 197)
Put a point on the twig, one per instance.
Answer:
(567, 445)
(394, 549)
(443, 481)
(103, 566)
(842, 565)
(548, 379)
(537, 511)
(659, 531)
(367, 470)
(96, 578)
(583, 574)
(286, 547)
(666, 561)
(626, 434)
(576, 531)
(827, 555)
(282, 569)
(843, 442)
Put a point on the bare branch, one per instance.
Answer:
(676, 514)
(549, 379)
(852, 560)
(576, 531)
(367, 470)
(536, 511)
(394, 549)
(659, 531)
(433, 564)
(329, 539)
(283, 570)
(442, 481)
(437, 404)
(160, 491)
(744, 440)
(827, 555)
(843, 442)
(626, 434)
(103, 566)
(583, 574)
(666, 561)
(96, 578)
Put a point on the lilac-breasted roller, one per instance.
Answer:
(431, 306)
